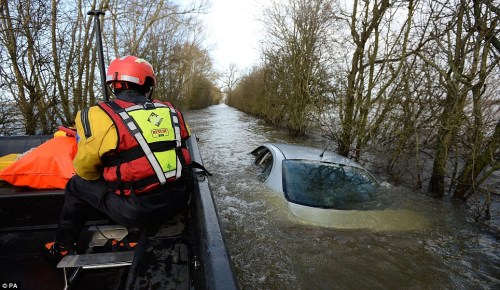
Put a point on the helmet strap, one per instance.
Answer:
(149, 94)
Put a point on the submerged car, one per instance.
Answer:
(311, 177)
(326, 188)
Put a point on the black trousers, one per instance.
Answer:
(82, 197)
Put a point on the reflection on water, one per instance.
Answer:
(273, 249)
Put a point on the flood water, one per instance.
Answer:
(272, 249)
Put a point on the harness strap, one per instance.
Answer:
(119, 182)
(181, 162)
(136, 184)
(199, 166)
(136, 153)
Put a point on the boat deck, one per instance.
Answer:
(30, 220)
(186, 252)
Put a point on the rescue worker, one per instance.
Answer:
(132, 159)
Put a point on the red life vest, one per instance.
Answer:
(139, 161)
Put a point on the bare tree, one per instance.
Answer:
(8, 118)
(484, 146)
(52, 59)
(461, 57)
(293, 59)
(230, 78)
(25, 64)
(247, 96)
(74, 56)
(408, 127)
(49, 56)
(168, 35)
(368, 91)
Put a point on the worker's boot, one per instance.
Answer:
(54, 252)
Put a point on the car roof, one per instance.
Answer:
(310, 153)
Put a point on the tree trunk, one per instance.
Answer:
(474, 166)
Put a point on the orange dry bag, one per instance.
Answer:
(48, 166)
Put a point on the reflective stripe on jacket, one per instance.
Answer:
(148, 153)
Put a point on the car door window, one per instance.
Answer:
(264, 161)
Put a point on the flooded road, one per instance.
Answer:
(272, 249)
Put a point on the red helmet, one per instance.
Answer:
(130, 69)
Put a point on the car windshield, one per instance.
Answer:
(327, 185)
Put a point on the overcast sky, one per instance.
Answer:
(233, 30)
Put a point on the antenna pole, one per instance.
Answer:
(96, 14)
(322, 153)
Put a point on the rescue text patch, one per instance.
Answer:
(157, 133)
